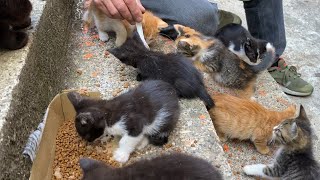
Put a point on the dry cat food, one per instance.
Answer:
(70, 148)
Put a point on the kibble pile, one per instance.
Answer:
(70, 148)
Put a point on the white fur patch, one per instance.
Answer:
(254, 170)
(127, 145)
(242, 54)
(269, 47)
(118, 128)
(103, 36)
(159, 120)
(206, 55)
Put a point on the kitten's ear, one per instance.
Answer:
(86, 163)
(302, 114)
(161, 24)
(179, 28)
(75, 98)
(294, 130)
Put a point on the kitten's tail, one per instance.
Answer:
(205, 97)
(267, 60)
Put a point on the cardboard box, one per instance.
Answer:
(59, 110)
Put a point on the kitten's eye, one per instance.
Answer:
(187, 35)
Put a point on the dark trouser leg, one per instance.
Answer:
(265, 21)
(197, 14)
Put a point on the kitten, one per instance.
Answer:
(239, 41)
(151, 25)
(210, 55)
(146, 114)
(294, 159)
(14, 16)
(243, 119)
(172, 68)
(166, 167)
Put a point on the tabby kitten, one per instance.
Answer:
(14, 16)
(294, 160)
(239, 41)
(151, 25)
(210, 55)
(145, 114)
(172, 68)
(166, 167)
(243, 119)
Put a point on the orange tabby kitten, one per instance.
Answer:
(151, 25)
(242, 119)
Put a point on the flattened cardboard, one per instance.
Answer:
(59, 110)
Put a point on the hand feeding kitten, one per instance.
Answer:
(210, 55)
(294, 160)
(15, 14)
(239, 41)
(166, 167)
(243, 119)
(145, 114)
(172, 68)
(151, 25)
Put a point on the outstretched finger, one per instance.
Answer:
(123, 10)
(143, 10)
(102, 7)
(134, 10)
(113, 11)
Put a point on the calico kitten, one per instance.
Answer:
(166, 167)
(294, 160)
(14, 15)
(239, 41)
(146, 114)
(210, 55)
(151, 25)
(172, 68)
(243, 119)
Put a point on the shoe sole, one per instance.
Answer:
(290, 92)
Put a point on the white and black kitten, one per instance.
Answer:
(294, 159)
(166, 167)
(173, 68)
(239, 40)
(146, 114)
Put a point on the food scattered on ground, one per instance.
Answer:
(202, 117)
(79, 71)
(88, 56)
(116, 92)
(226, 148)
(106, 53)
(126, 84)
(83, 91)
(70, 148)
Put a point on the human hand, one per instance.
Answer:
(130, 10)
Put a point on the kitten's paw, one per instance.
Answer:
(254, 170)
(121, 156)
(252, 98)
(103, 36)
(143, 143)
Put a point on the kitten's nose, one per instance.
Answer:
(183, 44)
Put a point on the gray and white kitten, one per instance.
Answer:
(294, 159)
(166, 167)
(239, 41)
(146, 114)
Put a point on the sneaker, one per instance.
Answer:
(290, 80)
(226, 17)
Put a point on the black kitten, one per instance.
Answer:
(146, 114)
(294, 159)
(167, 167)
(172, 68)
(238, 40)
(14, 14)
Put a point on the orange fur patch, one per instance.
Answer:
(243, 119)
